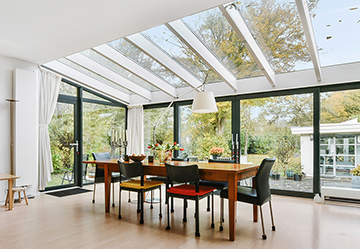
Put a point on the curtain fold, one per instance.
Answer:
(136, 129)
(49, 92)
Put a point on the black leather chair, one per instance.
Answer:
(215, 184)
(100, 174)
(186, 174)
(135, 169)
(258, 195)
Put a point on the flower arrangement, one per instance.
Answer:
(355, 171)
(166, 147)
(216, 151)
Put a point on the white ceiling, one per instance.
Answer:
(42, 31)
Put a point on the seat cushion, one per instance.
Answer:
(245, 194)
(136, 184)
(189, 190)
(214, 184)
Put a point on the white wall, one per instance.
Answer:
(7, 66)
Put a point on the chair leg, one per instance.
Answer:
(160, 215)
(129, 200)
(19, 193)
(272, 216)
(212, 210)
(7, 198)
(142, 207)
(208, 204)
(168, 211)
(93, 200)
(262, 223)
(185, 206)
(119, 217)
(138, 203)
(221, 213)
(197, 232)
(151, 199)
(172, 201)
(26, 199)
(113, 194)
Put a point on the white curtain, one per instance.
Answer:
(49, 91)
(136, 129)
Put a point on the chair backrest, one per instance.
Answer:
(193, 159)
(221, 161)
(134, 169)
(182, 174)
(262, 179)
(100, 156)
(180, 159)
(224, 158)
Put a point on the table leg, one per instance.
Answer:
(232, 206)
(255, 207)
(11, 199)
(107, 181)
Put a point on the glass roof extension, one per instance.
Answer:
(277, 28)
(95, 56)
(94, 75)
(172, 45)
(128, 49)
(337, 30)
(212, 28)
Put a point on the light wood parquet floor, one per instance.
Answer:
(75, 222)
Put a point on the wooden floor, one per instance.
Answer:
(75, 222)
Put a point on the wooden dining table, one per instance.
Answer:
(226, 172)
(10, 179)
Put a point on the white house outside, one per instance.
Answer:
(339, 148)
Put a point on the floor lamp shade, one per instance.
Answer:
(204, 102)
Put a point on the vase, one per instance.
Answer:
(162, 156)
(355, 181)
(168, 156)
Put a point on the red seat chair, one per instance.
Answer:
(185, 175)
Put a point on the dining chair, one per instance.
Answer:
(185, 175)
(141, 186)
(69, 174)
(215, 184)
(193, 159)
(100, 174)
(259, 195)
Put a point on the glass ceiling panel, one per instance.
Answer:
(171, 44)
(214, 30)
(277, 28)
(95, 56)
(337, 30)
(93, 75)
(146, 61)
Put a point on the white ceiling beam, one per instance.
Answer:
(110, 75)
(88, 81)
(136, 69)
(237, 22)
(163, 58)
(304, 13)
(179, 28)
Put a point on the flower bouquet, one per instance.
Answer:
(216, 151)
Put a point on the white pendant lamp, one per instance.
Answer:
(204, 102)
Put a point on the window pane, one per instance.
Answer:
(87, 95)
(339, 117)
(146, 61)
(199, 133)
(67, 89)
(212, 28)
(171, 44)
(281, 127)
(98, 122)
(277, 28)
(336, 28)
(164, 132)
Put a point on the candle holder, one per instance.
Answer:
(118, 144)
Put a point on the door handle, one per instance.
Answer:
(76, 144)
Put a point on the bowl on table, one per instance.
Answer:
(137, 158)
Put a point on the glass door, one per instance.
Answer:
(64, 145)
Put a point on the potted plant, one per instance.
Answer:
(165, 151)
(274, 174)
(216, 152)
(355, 178)
(290, 173)
(298, 172)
